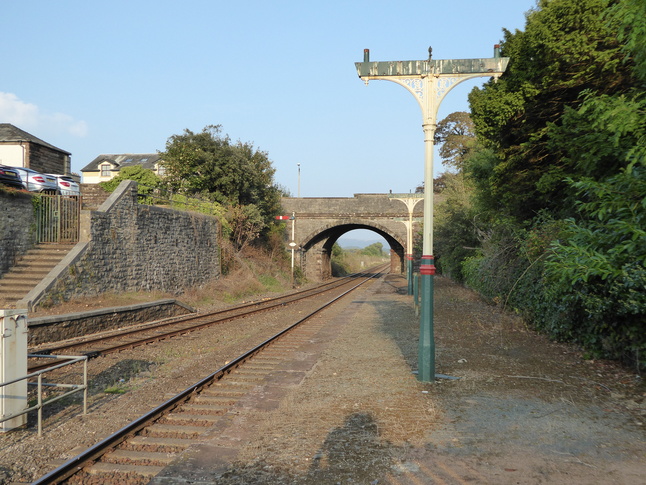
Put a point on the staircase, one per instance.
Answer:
(34, 265)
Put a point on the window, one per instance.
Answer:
(161, 170)
(105, 170)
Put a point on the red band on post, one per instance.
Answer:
(427, 269)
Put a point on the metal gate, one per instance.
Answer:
(57, 219)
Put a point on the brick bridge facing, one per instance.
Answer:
(319, 222)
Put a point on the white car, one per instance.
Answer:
(66, 184)
(37, 182)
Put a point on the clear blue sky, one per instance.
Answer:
(120, 76)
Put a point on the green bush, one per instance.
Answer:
(597, 273)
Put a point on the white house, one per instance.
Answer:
(105, 167)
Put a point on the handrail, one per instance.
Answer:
(72, 359)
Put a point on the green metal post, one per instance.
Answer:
(409, 272)
(416, 289)
(426, 354)
(429, 81)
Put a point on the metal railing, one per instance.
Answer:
(71, 359)
(58, 218)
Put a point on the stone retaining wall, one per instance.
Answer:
(17, 227)
(126, 246)
(61, 327)
(93, 195)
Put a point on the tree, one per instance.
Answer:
(246, 225)
(456, 233)
(456, 134)
(626, 18)
(568, 48)
(558, 177)
(230, 173)
(375, 249)
(143, 176)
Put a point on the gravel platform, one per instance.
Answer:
(524, 410)
(348, 407)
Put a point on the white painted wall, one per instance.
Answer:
(12, 155)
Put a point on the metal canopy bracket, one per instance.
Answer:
(486, 66)
(430, 80)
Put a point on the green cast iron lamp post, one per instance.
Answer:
(429, 81)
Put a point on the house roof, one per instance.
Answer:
(146, 160)
(10, 133)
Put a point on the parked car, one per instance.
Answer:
(37, 182)
(10, 177)
(66, 184)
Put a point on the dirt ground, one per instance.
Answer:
(520, 409)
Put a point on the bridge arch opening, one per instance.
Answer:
(316, 249)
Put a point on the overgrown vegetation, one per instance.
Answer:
(544, 213)
(208, 173)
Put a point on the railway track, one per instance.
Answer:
(116, 341)
(142, 449)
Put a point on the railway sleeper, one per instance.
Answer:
(215, 398)
(241, 381)
(279, 352)
(262, 366)
(229, 383)
(286, 347)
(156, 444)
(247, 372)
(266, 359)
(205, 409)
(113, 473)
(234, 394)
(159, 430)
(191, 419)
(143, 458)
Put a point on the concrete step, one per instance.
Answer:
(26, 275)
(9, 298)
(16, 280)
(30, 270)
(17, 287)
(40, 258)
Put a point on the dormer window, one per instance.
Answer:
(105, 170)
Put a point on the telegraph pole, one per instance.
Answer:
(429, 81)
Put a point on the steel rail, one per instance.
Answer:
(261, 306)
(176, 320)
(92, 454)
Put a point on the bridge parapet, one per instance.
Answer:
(320, 221)
(386, 204)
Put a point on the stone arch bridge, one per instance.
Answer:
(319, 222)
